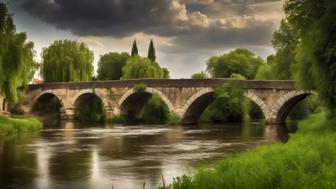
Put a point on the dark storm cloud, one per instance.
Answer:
(193, 23)
(102, 17)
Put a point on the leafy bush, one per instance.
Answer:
(155, 111)
(15, 124)
(308, 160)
(93, 111)
(173, 119)
(139, 88)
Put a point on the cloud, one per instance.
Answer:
(120, 18)
(185, 31)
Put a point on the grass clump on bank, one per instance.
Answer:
(308, 160)
(10, 125)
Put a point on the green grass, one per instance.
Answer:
(14, 124)
(307, 160)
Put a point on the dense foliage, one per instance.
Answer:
(308, 160)
(12, 125)
(65, 61)
(92, 111)
(110, 66)
(229, 105)
(311, 62)
(239, 61)
(17, 65)
(138, 67)
(201, 75)
(315, 27)
(155, 111)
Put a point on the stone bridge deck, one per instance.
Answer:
(186, 97)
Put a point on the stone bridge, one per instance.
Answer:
(186, 97)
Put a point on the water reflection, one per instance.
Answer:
(76, 156)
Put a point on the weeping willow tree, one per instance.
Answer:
(17, 65)
(65, 61)
(138, 67)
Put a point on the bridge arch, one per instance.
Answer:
(258, 101)
(197, 103)
(132, 101)
(287, 102)
(89, 106)
(85, 92)
(47, 100)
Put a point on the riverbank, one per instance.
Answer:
(11, 125)
(307, 160)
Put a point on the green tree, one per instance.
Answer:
(138, 67)
(265, 70)
(110, 66)
(200, 75)
(239, 61)
(65, 61)
(155, 111)
(314, 24)
(151, 51)
(229, 105)
(17, 65)
(134, 49)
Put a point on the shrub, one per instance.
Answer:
(173, 119)
(15, 124)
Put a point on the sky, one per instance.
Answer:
(185, 32)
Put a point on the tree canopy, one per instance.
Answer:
(305, 47)
(110, 65)
(17, 65)
(239, 61)
(138, 67)
(200, 75)
(65, 61)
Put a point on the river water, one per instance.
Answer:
(121, 157)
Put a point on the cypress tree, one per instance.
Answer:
(134, 49)
(151, 51)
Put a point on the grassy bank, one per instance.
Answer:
(308, 160)
(11, 125)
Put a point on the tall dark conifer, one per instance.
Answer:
(134, 49)
(151, 51)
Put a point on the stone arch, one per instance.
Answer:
(148, 92)
(89, 106)
(47, 92)
(200, 100)
(45, 97)
(285, 104)
(257, 100)
(204, 97)
(86, 91)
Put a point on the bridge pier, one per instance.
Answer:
(68, 113)
(109, 112)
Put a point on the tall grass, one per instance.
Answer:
(10, 125)
(308, 160)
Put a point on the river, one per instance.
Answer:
(121, 157)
